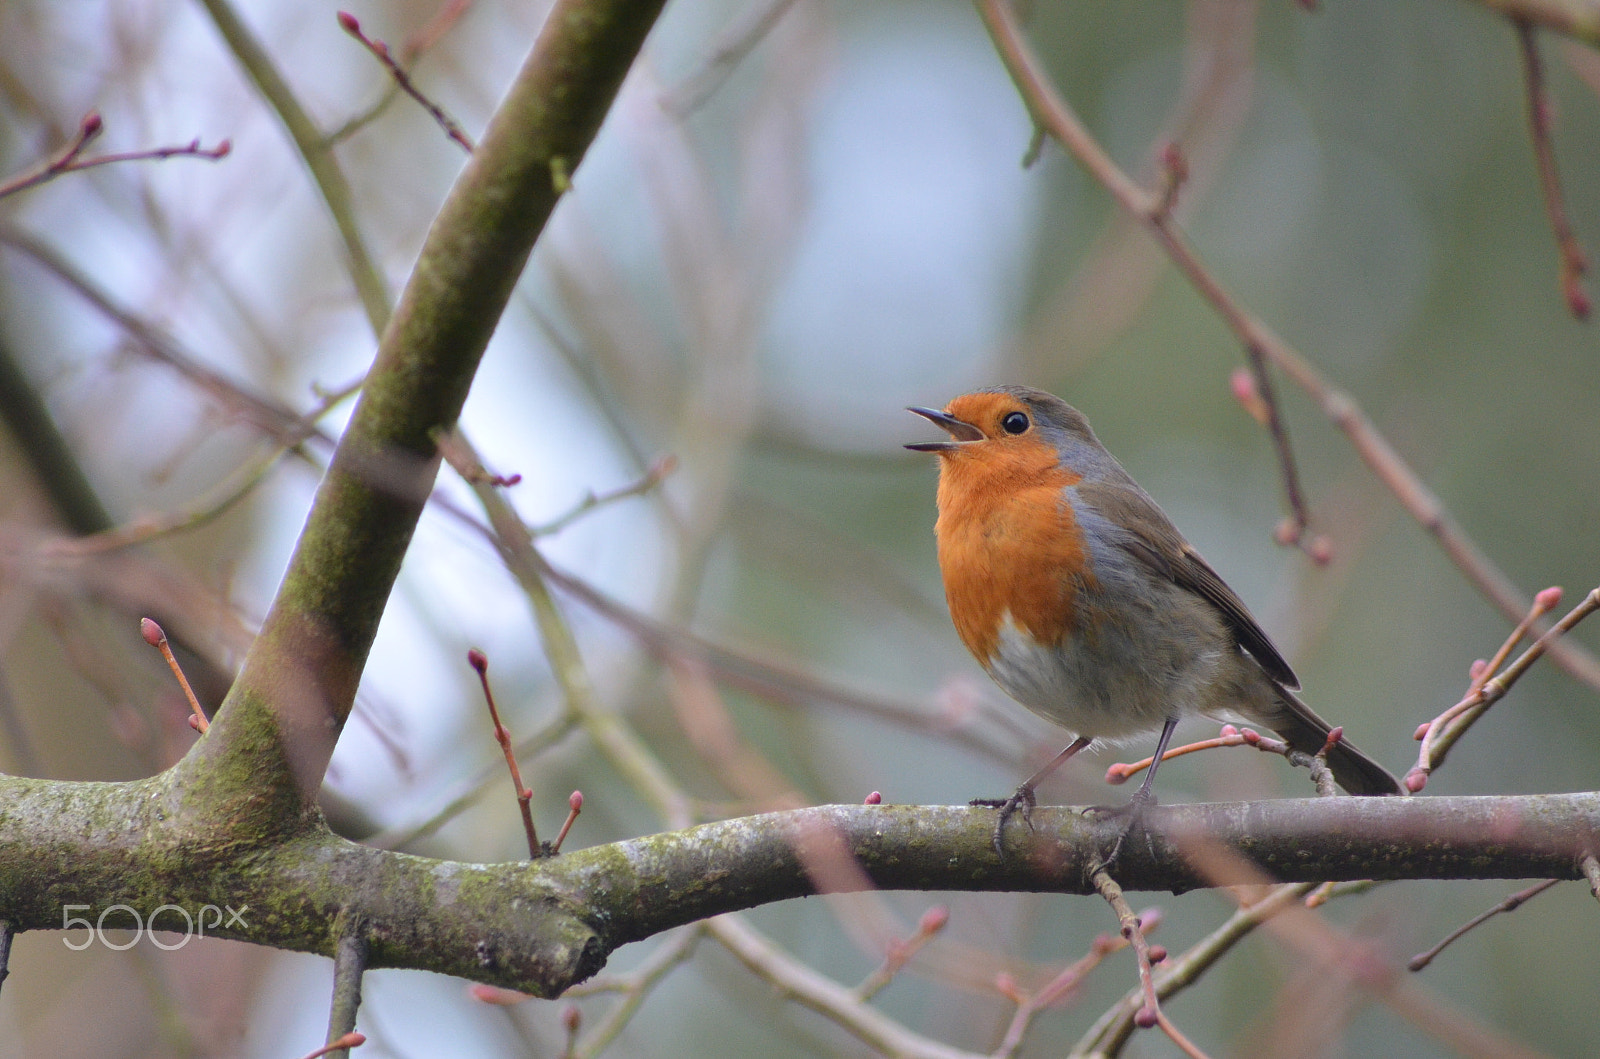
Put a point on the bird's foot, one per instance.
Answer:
(1134, 809)
(1023, 799)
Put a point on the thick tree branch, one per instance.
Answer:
(542, 926)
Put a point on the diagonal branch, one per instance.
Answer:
(299, 679)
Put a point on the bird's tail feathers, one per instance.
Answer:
(1302, 729)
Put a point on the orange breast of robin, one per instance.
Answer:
(1009, 547)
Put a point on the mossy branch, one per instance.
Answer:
(542, 926)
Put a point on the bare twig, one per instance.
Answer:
(574, 807)
(1150, 1013)
(413, 49)
(380, 51)
(1342, 961)
(1321, 774)
(277, 420)
(343, 1044)
(1510, 904)
(1050, 112)
(900, 952)
(1573, 261)
(1061, 986)
(824, 996)
(654, 476)
(761, 676)
(1120, 772)
(156, 638)
(70, 158)
(622, 748)
(1111, 1030)
(728, 756)
(204, 509)
(620, 745)
(480, 664)
(1445, 730)
(477, 787)
(241, 484)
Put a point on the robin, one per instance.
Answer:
(1083, 601)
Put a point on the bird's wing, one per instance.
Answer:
(1152, 539)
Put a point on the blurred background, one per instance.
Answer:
(759, 266)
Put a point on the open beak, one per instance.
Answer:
(960, 431)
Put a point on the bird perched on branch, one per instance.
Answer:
(1083, 601)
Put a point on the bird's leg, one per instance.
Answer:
(1023, 797)
(1142, 798)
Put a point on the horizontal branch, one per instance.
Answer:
(89, 850)
(661, 881)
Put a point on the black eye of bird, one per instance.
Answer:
(1014, 423)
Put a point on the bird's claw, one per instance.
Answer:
(1022, 798)
(1134, 809)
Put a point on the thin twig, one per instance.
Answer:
(272, 417)
(155, 637)
(6, 934)
(193, 515)
(1150, 1014)
(621, 747)
(413, 49)
(900, 952)
(1345, 960)
(1544, 602)
(1446, 729)
(343, 1044)
(652, 477)
(1510, 904)
(823, 995)
(760, 676)
(1051, 112)
(380, 51)
(1321, 774)
(615, 740)
(480, 664)
(1061, 987)
(574, 807)
(1120, 772)
(70, 158)
(476, 788)
(1112, 1030)
(1573, 261)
